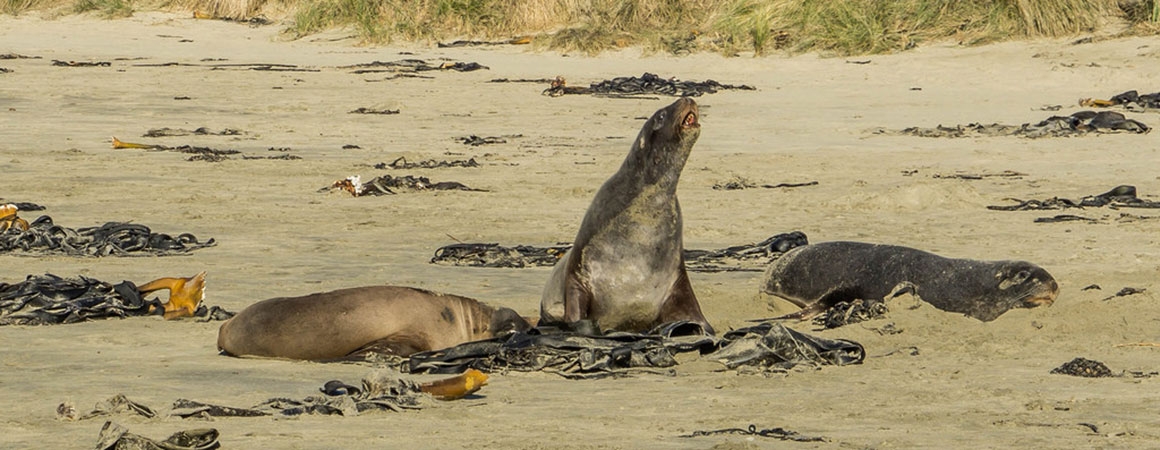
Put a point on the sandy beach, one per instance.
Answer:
(943, 381)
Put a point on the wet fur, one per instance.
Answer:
(359, 321)
(818, 276)
(626, 270)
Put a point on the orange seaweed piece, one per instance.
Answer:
(1095, 102)
(117, 143)
(185, 294)
(9, 219)
(456, 387)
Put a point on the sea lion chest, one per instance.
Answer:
(632, 261)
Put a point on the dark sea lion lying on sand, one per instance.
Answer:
(818, 276)
(626, 271)
(355, 322)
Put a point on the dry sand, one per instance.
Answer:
(969, 384)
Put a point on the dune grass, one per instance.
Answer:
(385, 20)
(837, 27)
(225, 9)
(833, 26)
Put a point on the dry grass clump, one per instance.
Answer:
(1144, 15)
(109, 9)
(15, 7)
(225, 9)
(385, 20)
(595, 25)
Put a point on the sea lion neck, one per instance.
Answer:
(662, 147)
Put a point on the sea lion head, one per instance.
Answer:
(1019, 284)
(666, 139)
(1029, 283)
(506, 321)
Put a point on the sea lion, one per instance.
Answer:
(815, 277)
(625, 270)
(355, 322)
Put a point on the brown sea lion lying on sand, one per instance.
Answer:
(355, 322)
(815, 277)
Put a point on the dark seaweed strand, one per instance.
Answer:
(110, 239)
(777, 433)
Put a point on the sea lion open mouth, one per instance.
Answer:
(690, 120)
(1034, 302)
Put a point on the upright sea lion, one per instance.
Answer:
(364, 320)
(818, 276)
(626, 270)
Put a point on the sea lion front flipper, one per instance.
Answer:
(681, 303)
(389, 346)
(577, 300)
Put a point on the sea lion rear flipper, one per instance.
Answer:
(806, 313)
(829, 299)
(681, 303)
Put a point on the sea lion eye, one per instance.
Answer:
(1016, 279)
(659, 120)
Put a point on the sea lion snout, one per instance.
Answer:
(1046, 293)
(506, 320)
(688, 112)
